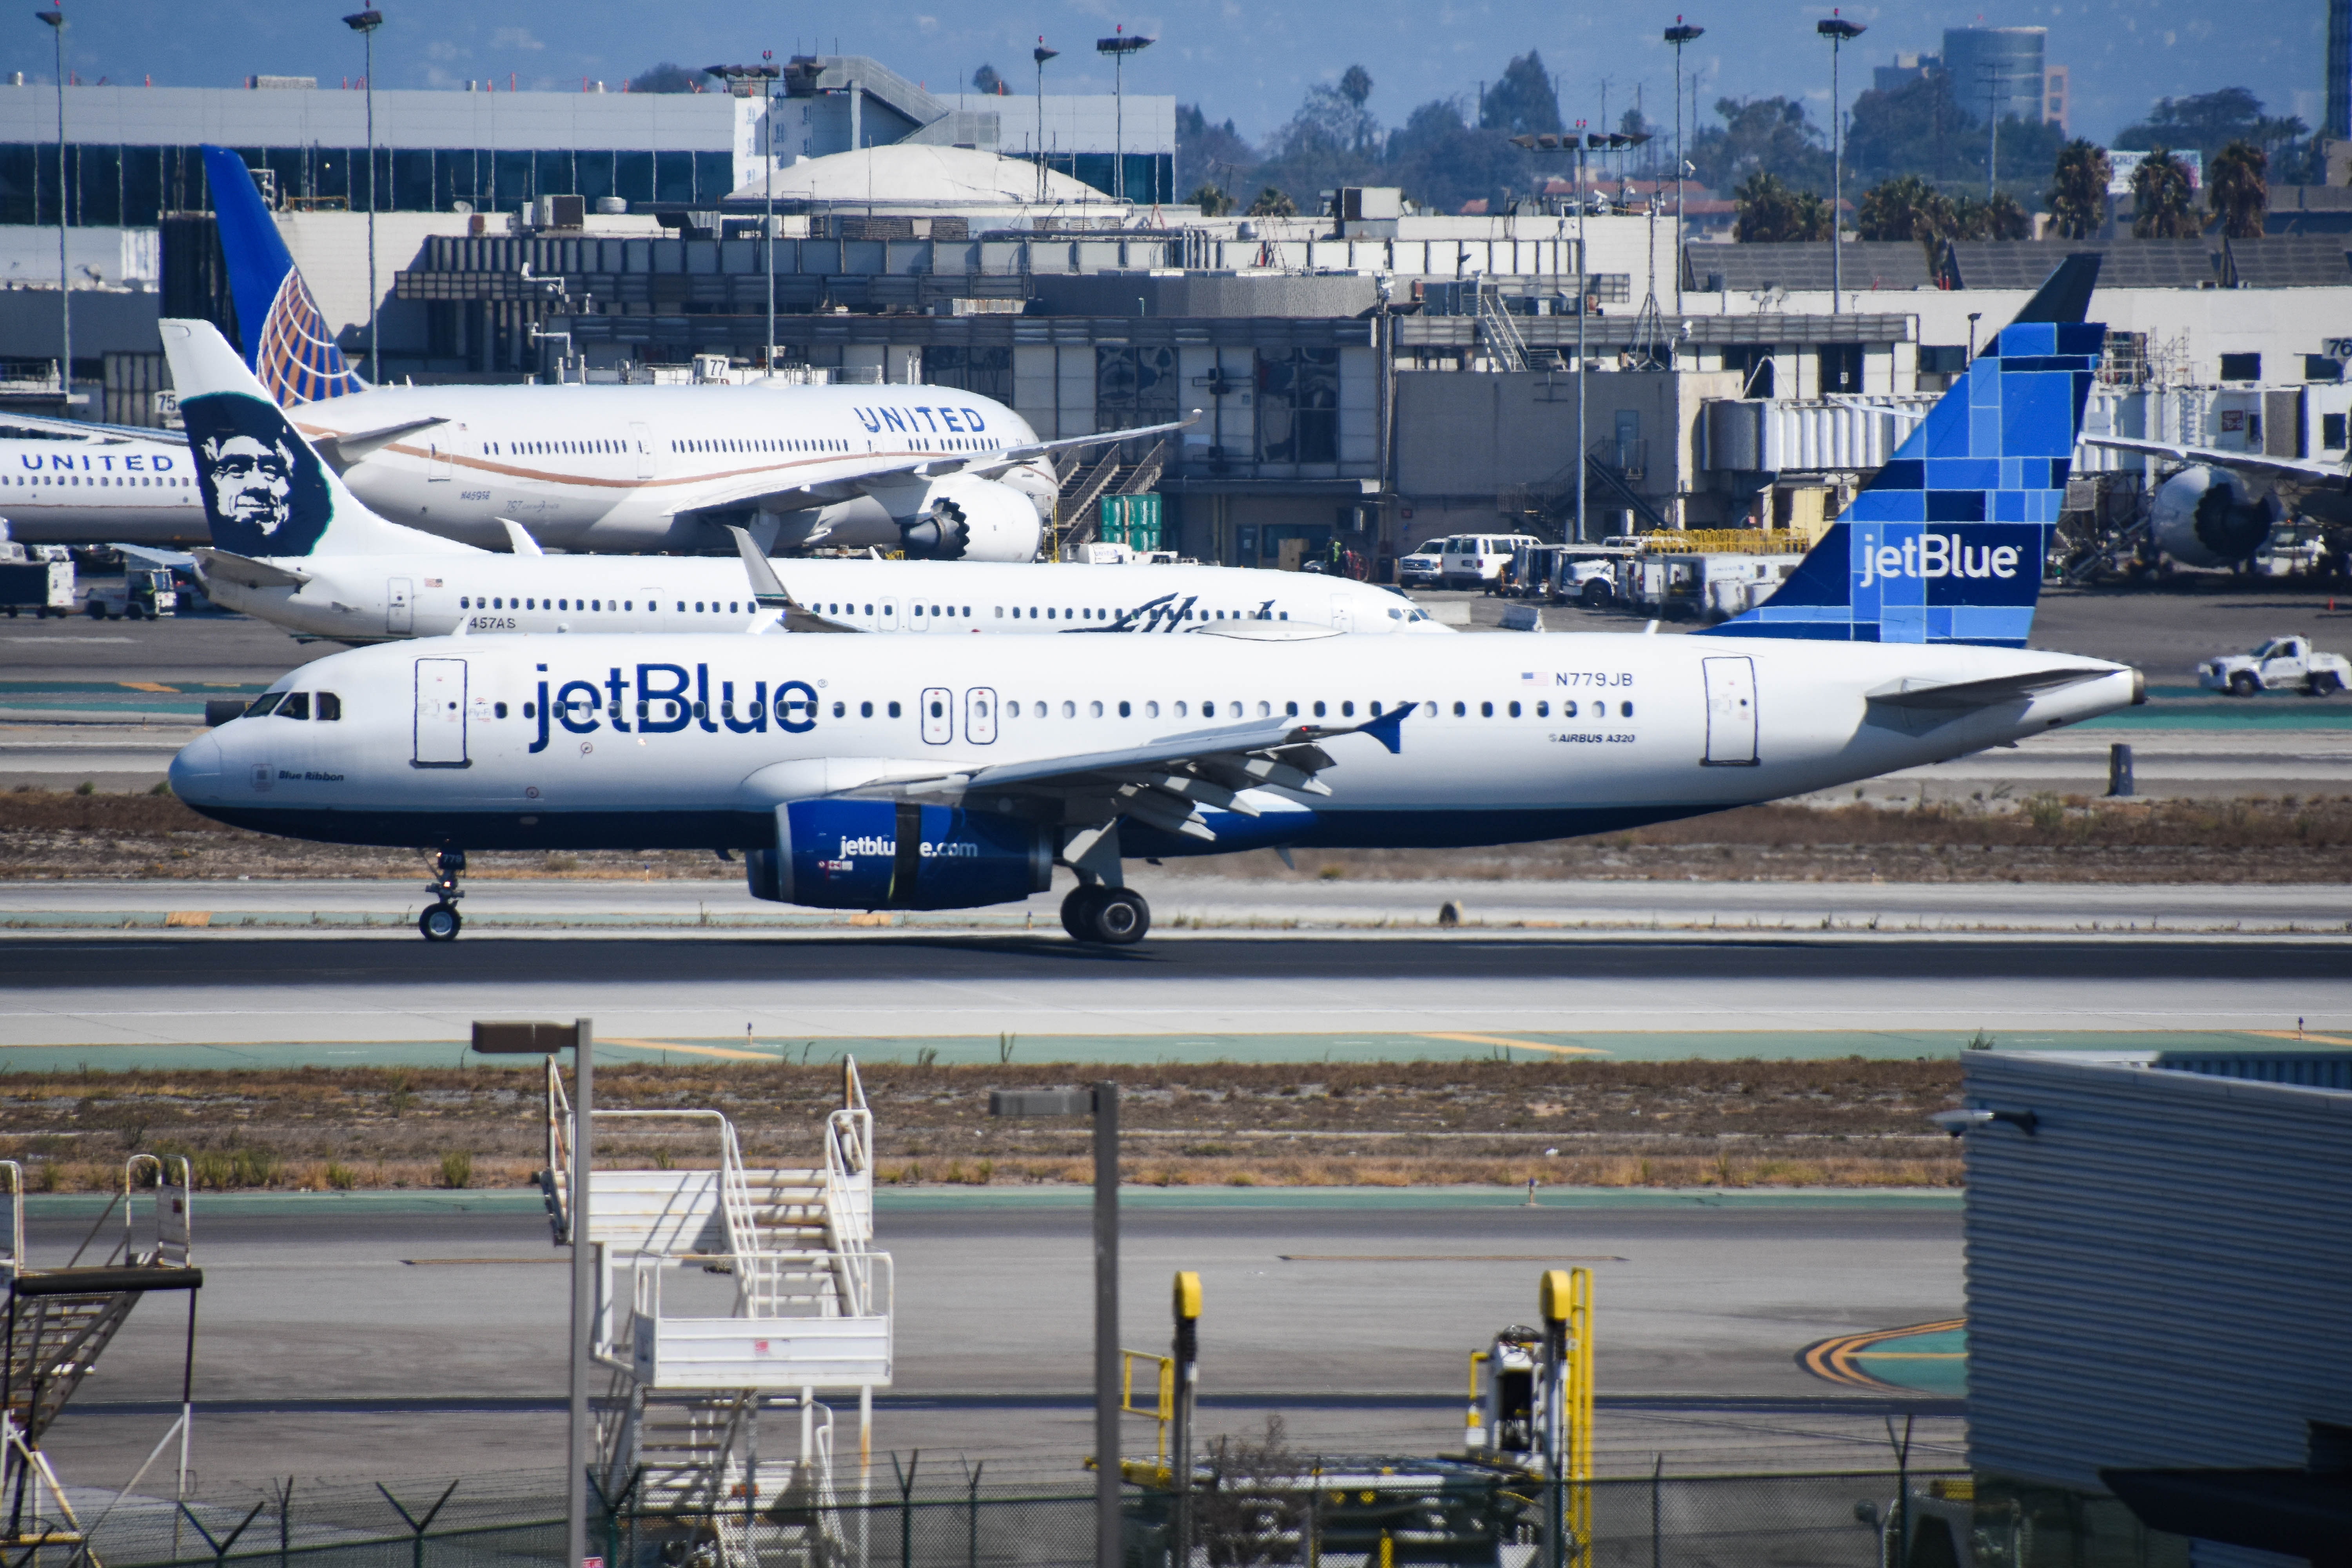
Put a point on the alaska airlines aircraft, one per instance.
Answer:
(114, 488)
(939, 473)
(883, 775)
(291, 546)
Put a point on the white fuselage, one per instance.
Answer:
(628, 467)
(377, 598)
(100, 490)
(695, 740)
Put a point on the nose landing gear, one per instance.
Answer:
(441, 921)
(1108, 917)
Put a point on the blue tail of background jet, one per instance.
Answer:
(287, 343)
(1946, 542)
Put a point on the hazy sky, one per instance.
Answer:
(1249, 59)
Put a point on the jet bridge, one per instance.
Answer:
(807, 1311)
(60, 1320)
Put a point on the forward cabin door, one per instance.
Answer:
(440, 714)
(399, 607)
(1730, 711)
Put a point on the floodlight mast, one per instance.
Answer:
(1839, 33)
(765, 74)
(365, 23)
(56, 19)
(1121, 44)
(1678, 35)
(1041, 54)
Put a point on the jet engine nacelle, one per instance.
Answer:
(885, 855)
(961, 518)
(2206, 516)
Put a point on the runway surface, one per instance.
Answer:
(345, 1336)
(134, 991)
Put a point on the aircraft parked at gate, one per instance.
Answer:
(940, 473)
(292, 545)
(109, 487)
(881, 776)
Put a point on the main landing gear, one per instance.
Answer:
(441, 921)
(1110, 917)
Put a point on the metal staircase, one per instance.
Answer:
(59, 1322)
(1081, 507)
(809, 1312)
(1505, 346)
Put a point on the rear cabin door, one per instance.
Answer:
(1730, 711)
(939, 716)
(642, 438)
(399, 602)
(440, 714)
(979, 716)
(439, 466)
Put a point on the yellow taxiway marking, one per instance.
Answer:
(2291, 1035)
(1520, 1045)
(721, 1052)
(145, 686)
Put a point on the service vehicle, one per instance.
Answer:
(145, 594)
(29, 580)
(1476, 560)
(1424, 567)
(2282, 664)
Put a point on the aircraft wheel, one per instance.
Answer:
(1119, 918)
(440, 922)
(1078, 910)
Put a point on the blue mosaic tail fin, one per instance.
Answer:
(1947, 543)
(287, 343)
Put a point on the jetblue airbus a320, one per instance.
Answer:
(890, 773)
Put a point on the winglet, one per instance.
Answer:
(1389, 728)
(519, 539)
(767, 588)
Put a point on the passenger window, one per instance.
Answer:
(1180, 711)
(330, 706)
(1460, 710)
(1094, 710)
(1625, 710)
(1291, 708)
(500, 709)
(1319, 709)
(1069, 709)
(1151, 710)
(1543, 710)
(1208, 710)
(840, 709)
(1266, 709)
(296, 706)
(865, 710)
(1486, 710)
(894, 710)
(1515, 710)
(263, 703)
(1567, 710)
(1123, 711)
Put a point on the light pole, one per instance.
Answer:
(365, 23)
(56, 18)
(1118, 46)
(1583, 308)
(766, 75)
(540, 1040)
(1101, 1102)
(1839, 32)
(1041, 54)
(1678, 35)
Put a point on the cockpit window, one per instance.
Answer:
(330, 706)
(296, 706)
(263, 703)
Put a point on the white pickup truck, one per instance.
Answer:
(2282, 664)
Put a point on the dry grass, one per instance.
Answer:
(1685, 1124)
(2042, 837)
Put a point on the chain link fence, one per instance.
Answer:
(956, 1515)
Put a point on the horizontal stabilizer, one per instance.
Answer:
(246, 572)
(1915, 691)
(345, 448)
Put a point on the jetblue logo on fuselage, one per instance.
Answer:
(942, 849)
(1932, 556)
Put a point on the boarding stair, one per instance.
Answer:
(714, 1416)
(57, 1324)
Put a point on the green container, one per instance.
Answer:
(1131, 521)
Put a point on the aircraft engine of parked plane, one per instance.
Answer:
(961, 517)
(2207, 516)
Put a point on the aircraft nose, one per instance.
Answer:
(195, 772)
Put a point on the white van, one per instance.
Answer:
(1476, 560)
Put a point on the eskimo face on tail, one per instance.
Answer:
(264, 491)
(1946, 543)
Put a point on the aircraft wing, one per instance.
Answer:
(246, 571)
(347, 448)
(2303, 468)
(793, 485)
(1163, 783)
(768, 590)
(1955, 695)
(14, 420)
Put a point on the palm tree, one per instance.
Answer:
(2078, 190)
(2239, 194)
(1997, 217)
(1769, 211)
(1273, 201)
(2160, 198)
(1907, 208)
(1212, 200)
